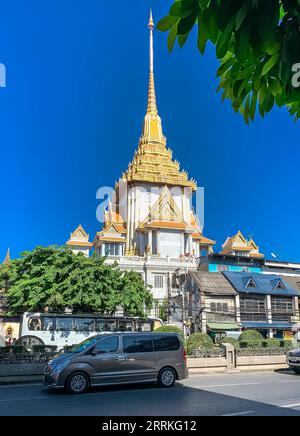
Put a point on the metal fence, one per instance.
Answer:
(13, 358)
(262, 351)
(209, 353)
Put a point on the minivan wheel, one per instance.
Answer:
(166, 378)
(296, 370)
(77, 383)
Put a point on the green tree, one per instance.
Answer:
(257, 43)
(56, 278)
(163, 309)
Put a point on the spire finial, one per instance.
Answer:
(152, 109)
(151, 22)
(7, 257)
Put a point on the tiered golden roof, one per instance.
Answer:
(114, 229)
(152, 161)
(239, 243)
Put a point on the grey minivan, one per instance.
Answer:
(119, 358)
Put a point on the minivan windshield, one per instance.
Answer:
(84, 345)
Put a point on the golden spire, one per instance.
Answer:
(152, 108)
(7, 257)
(152, 161)
(152, 129)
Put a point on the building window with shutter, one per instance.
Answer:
(158, 281)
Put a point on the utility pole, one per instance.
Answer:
(169, 297)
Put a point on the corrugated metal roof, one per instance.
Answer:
(294, 281)
(212, 283)
(265, 283)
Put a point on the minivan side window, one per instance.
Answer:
(166, 343)
(107, 345)
(137, 344)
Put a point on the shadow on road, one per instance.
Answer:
(287, 372)
(151, 400)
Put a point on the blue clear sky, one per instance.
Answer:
(71, 116)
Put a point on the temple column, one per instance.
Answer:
(132, 221)
(150, 240)
(157, 242)
(182, 243)
(128, 223)
(190, 244)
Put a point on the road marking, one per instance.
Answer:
(225, 385)
(22, 399)
(290, 381)
(247, 412)
(287, 406)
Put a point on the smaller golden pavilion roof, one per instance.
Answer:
(79, 238)
(239, 243)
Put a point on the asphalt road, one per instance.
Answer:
(276, 393)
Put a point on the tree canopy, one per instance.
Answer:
(56, 278)
(257, 43)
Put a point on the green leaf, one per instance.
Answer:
(256, 81)
(185, 25)
(172, 38)
(224, 40)
(253, 106)
(188, 5)
(270, 64)
(176, 9)
(166, 23)
(269, 102)
(237, 88)
(182, 39)
(272, 47)
(213, 28)
(242, 44)
(203, 4)
(225, 66)
(247, 109)
(202, 33)
(242, 13)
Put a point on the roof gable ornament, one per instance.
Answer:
(165, 208)
(79, 234)
(79, 238)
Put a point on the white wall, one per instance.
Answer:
(169, 243)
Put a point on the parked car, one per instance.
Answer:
(293, 360)
(120, 358)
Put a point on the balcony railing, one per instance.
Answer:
(222, 317)
(153, 260)
(254, 316)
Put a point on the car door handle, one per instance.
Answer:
(120, 358)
